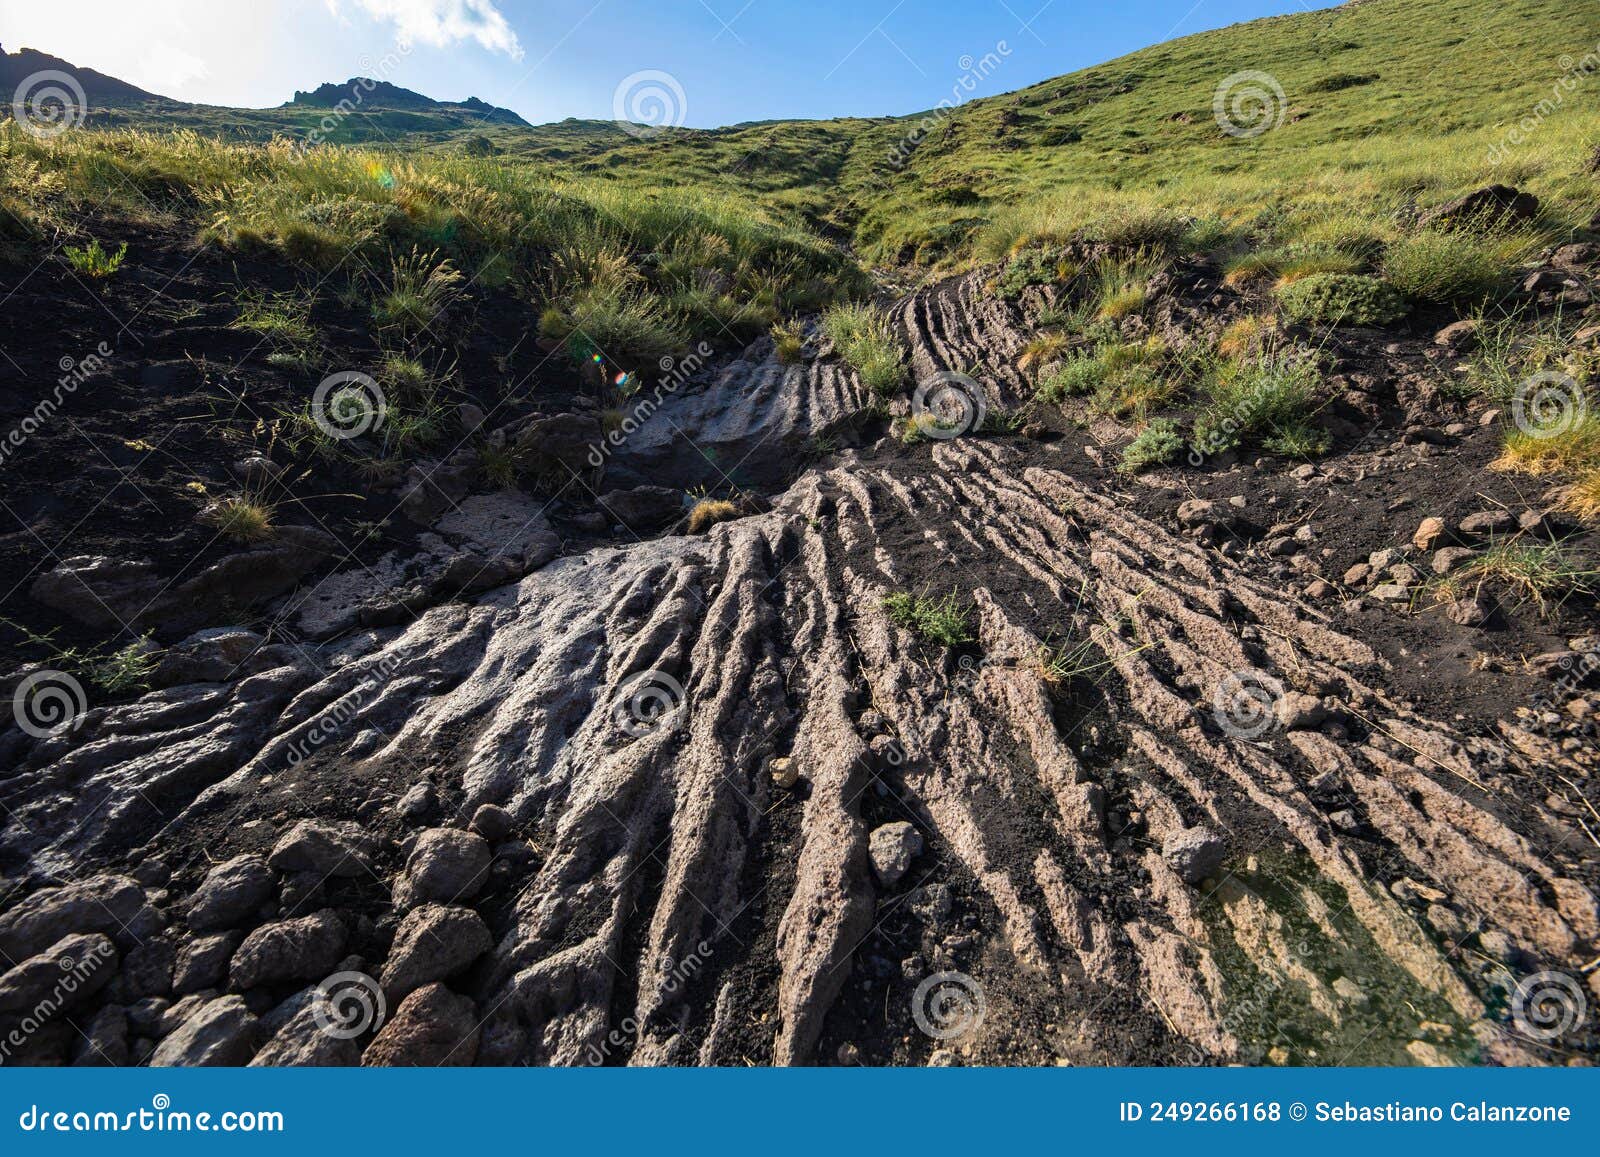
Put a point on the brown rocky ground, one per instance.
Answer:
(555, 782)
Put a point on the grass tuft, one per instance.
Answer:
(935, 620)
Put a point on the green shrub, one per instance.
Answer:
(1267, 400)
(1456, 265)
(1081, 373)
(1157, 445)
(937, 620)
(1342, 299)
(1034, 267)
(863, 339)
(94, 262)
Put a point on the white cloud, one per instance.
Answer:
(441, 23)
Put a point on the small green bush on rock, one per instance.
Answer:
(1342, 299)
(1157, 445)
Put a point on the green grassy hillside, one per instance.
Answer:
(1382, 99)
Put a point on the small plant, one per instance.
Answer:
(1034, 267)
(1544, 574)
(1457, 265)
(1044, 349)
(1513, 346)
(421, 287)
(1121, 284)
(708, 512)
(788, 342)
(126, 669)
(1270, 398)
(243, 518)
(936, 620)
(1158, 444)
(93, 261)
(1290, 263)
(864, 340)
(1081, 373)
(116, 672)
(1571, 444)
(499, 465)
(284, 320)
(1246, 337)
(1342, 299)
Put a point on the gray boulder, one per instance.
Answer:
(433, 943)
(304, 949)
(106, 904)
(231, 894)
(220, 1032)
(1194, 853)
(446, 865)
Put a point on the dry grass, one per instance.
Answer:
(243, 518)
(1572, 450)
(708, 512)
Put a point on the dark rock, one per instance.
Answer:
(306, 1042)
(324, 849)
(1473, 611)
(220, 1032)
(433, 943)
(104, 1043)
(644, 509)
(212, 656)
(420, 803)
(1489, 523)
(446, 865)
(303, 949)
(432, 1027)
(1458, 337)
(106, 904)
(1492, 205)
(560, 440)
(492, 822)
(203, 962)
(231, 895)
(62, 977)
(147, 969)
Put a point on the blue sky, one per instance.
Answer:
(732, 60)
